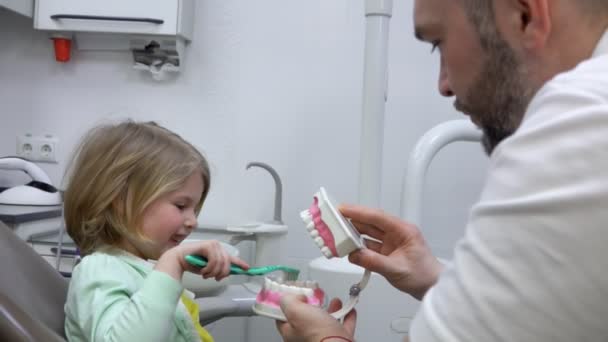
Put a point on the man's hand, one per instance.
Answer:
(403, 257)
(306, 323)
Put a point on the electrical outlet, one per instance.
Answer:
(47, 149)
(37, 148)
(25, 149)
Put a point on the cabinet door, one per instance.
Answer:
(122, 16)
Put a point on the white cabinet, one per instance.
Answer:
(24, 7)
(155, 31)
(150, 17)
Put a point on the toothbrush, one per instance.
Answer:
(289, 272)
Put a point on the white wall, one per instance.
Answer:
(267, 80)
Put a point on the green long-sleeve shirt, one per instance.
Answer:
(115, 296)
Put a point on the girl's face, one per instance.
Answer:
(170, 218)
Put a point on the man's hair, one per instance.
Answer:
(481, 12)
(481, 15)
(116, 172)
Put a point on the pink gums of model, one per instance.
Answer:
(322, 228)
(273, 298)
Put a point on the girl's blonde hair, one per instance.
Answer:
(116, 172)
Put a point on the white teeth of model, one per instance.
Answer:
(319, 241)
(326, 250)
(314, 233)
(310, 226)
(287, 289)
(306, 287)
(275, 286)
(305, 215)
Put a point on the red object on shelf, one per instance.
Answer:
(62, 49)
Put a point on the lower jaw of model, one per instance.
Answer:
(268, 300)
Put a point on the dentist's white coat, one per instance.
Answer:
(533, 265)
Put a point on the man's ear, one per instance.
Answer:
(534, 22)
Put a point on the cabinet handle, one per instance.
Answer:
(99, 17)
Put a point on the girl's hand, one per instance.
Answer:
(173, 261)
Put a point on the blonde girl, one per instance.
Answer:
(134, 192)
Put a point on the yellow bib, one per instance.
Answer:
(192, 308)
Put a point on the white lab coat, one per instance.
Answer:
(533, 265)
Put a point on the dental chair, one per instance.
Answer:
(32, 293)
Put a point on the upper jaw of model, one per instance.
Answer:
(334, 234)
(319, 231)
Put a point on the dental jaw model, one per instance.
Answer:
(336, 237)
(333, 234)
(267, 302)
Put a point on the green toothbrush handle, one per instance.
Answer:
(201, 261)
(291, 273)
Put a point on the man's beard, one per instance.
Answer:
(499, 96)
